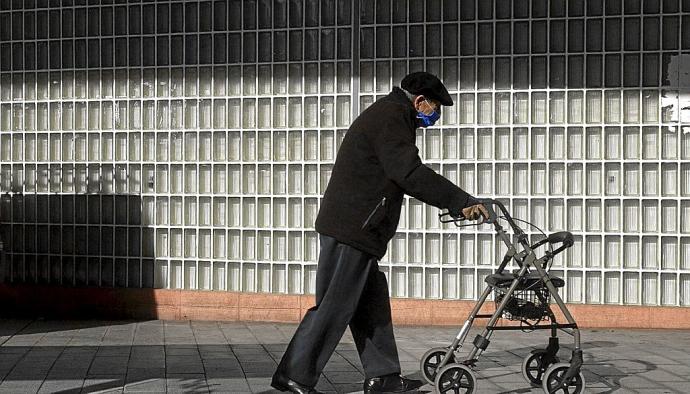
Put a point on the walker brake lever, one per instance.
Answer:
(453, 219)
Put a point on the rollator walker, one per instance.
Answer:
(520, 296)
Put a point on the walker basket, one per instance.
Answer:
(525, 305)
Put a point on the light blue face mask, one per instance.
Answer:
(428, 120)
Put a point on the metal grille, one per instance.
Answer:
(186, 144)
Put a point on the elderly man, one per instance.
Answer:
(376, 165)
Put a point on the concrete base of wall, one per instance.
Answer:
(110, 303)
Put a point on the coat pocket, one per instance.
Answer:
(376, 215)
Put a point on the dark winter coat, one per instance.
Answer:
(377, 163)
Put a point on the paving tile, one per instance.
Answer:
(186, 383)
(67, 373)
(261, 385)
(137, 375)
(222, 364)
(637, 382)
(184, 364)
(104, 383)
(236, 357)
(325, 385)
(7, 364)
(340, 367)
(81, 351)
(348, 387)
(14, 351)
(109, 365)
(20, 386)
(72, 362)
(182, 350)
(344, 377)
(218, 355)
(226, 373)
(228, 385)
(110, 351)
(149, 385)
(146, 362)
(62, 386)
(24, 373)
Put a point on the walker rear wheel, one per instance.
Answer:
(431, 360)
(456, 379)
(553, 381)
(534, 366)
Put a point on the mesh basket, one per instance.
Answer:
(525, 305)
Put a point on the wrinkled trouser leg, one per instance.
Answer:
(343, 275)
(372, 328)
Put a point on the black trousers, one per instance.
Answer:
(350, 290)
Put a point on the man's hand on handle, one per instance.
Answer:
(475, 212)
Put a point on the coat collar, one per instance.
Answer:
(399, 96)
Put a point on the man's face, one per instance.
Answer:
(427, 105)
(429, 111)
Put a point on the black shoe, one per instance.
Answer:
(391, 384)
(283, 383)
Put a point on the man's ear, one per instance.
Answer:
(417, 101)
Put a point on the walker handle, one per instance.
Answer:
(488, 203)
(565, 238)
(562, 237)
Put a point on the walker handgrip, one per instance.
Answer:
(488, 203)
(564, 237)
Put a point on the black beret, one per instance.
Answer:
(423, 83)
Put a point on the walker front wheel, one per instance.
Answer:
(554, 380)
(534, 366)
(431, 360)
(456, 379)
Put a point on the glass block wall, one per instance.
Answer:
(187, 144)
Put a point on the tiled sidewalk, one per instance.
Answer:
(179, 356)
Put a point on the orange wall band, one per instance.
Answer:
(61, 302)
